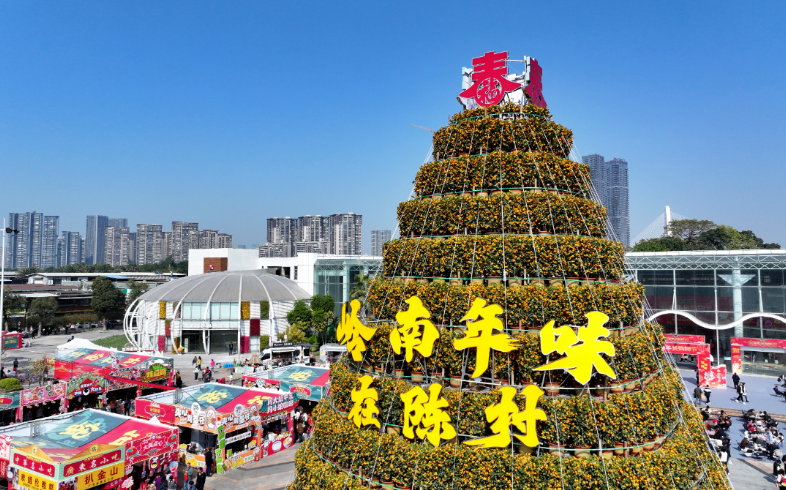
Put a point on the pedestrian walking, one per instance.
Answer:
(193, 361)
(127, 407)
(736, 380)
(707, 392)
(178, 380)
(230, 348)
(697, 376)
(196, 373)
(697, 395)
(199, 362)
(212, 364)
(743, 393)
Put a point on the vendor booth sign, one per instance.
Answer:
(149, 447)
(85, 384)
(41, 394)
(148, 409)
(35, 482)
(9, 400)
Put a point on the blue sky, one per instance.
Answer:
(227, 113)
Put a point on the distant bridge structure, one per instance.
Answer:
(657, 228)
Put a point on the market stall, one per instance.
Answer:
(135, 374)
(42, 401)
(240, 424)
(83, 450)
(308, 382)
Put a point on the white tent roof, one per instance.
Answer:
(80, 344)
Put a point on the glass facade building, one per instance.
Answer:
(716, 287)
(335, 276)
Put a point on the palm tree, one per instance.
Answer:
(360, 287)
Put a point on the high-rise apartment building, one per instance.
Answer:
(282, 230)
(95, 248)
(185, 235)
(118, 222)
(313, 228)
(346, 234)
(70, 248)
(36, 243)
(166, 245)
(208, 239)
(120, 244)
(610, 179)
(49, 236)
(378, 238)
(224, 240)
(149, 244)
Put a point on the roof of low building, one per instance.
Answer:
(228, 286)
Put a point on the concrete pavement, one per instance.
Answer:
(271, 473)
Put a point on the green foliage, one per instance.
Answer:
(10, 384)
(264, 309)
(12, 302)
(300, 314)
(26, 272)
(137, 290)
(167, 265)
(360, 287)
(264, 342)
(293, 333)
(691, 234)
(106, 297)
(114, 341)
(42, 310)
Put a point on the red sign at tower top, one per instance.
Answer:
(491, 82)
(488, 75)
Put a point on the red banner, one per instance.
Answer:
(147, 409)
(29, 463)
(689, 339)
(155, 445)
(690, 349)
(92, 462)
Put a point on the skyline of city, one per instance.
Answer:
(610, 179)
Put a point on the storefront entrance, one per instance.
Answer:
(220, 339)
(192, 341)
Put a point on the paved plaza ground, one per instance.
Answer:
(274, 472)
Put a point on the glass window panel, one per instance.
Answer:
(225, 308)
(725, 302)
(754, 281)
(695, 277)
(215, 311)
(685, 298)
(659, 298)
(704, 298)
(646, 277)
(750, 300)
(771, 277)
(719, 273)
(185, 311)
(201, 310)
(773, 299)
(234, 311)
(664, 278)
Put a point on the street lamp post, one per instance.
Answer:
(2, 286)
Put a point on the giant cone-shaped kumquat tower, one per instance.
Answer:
(460, 374)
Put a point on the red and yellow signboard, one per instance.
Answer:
(92, 463)
(99, 476)
(35, 482)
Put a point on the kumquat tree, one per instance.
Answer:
(502, 345)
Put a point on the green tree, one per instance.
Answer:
(360, 287)
(137, 290)
(10, 384)
(300, 314)
(663, 244)
(106, 297)
(293, 333)
(688, 230)
(26, 272)
(322, 314)
(11, 302)
(42, 310)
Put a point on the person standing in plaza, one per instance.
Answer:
(707, 392)
(697, 395)
(230, 348)
(200, 479)
(735, 378)
(208, 460)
